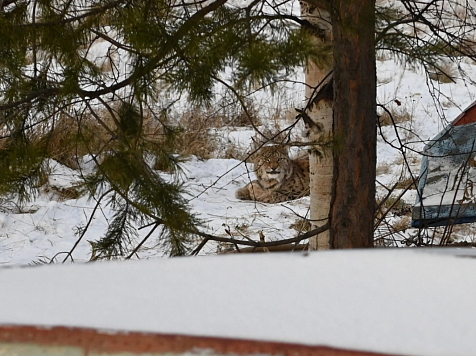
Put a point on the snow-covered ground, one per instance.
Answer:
(44, 228)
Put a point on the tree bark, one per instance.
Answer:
(320, 113)
(352, 208)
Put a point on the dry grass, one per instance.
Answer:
(444, 73)
(67, 143)
(195, 136)
(72, 138)
(399, 115)
(383, 169)
(383, 56)
(200, 130)
(197, 132)
(60, 138)
(464, 232)
(387, 235)
(228, 113)
(301, 225)
(405, 183)
(64, 193)
(393, 205)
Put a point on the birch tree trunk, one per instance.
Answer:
(320, 128)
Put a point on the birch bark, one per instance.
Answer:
(320, 130)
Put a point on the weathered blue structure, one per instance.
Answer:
(446, 191)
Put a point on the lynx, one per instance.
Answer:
(279, 177)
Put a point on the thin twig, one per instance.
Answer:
(143, 240)
(85, 229)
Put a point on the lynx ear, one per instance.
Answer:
(282, 149)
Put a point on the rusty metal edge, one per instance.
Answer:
(112, 342)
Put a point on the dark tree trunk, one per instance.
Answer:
(352, 210)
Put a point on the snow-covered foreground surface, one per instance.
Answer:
(410, 302)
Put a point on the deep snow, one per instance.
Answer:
(400, 301)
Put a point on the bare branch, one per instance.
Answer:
(297, 239)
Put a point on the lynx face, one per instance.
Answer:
(279, 177)
(273, 163)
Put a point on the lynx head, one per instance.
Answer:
(273, 163)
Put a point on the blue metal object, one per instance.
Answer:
(446, 192)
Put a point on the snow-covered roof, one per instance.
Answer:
(392, 301)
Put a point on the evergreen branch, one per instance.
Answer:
(94, 11)
(156, 225)
(116, 43)
(198, 15)
(43, 94)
